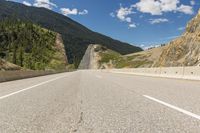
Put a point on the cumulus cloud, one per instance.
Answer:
(158, 7)
(158, 20)
(153, 7)
(84, 12)
(123, 13)
(67, 11)
(132, 25)
(75, 11)
(192, 2)
(185, 9)
(44, 3)
(112, 14)
(27, 3)
(148, 6)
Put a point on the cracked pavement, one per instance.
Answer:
(98, 102)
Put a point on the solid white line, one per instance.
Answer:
(174, 107)
(25, 89)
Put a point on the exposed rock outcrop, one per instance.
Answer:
(185, 50)
(5, 66)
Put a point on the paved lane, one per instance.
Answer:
(98, 102)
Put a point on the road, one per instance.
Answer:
(99, 102)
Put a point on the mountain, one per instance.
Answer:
(182, 51)
(76, 37)
(100, 57)
(30, 46)
(185, 50)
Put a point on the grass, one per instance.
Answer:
(119, 61)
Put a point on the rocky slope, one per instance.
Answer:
(185, 50)
(7, 66)
(100, 57)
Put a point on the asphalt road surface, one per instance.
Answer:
(99, 102)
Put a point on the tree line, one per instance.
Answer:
(26, 44)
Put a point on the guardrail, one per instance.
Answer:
(170, 72)
(16, 75)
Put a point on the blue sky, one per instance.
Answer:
(138, 22)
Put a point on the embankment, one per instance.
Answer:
(17, 75)
(192, 73)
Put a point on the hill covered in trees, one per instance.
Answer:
(29, 46)
(76, 37)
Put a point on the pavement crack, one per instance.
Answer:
(80, 121)
(81, 118)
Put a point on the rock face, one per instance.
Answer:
(185, 50)
(7, 66)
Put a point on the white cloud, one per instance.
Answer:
(158, 20)
(150, 46)
(27, 3)
(168, 5)
(153, 7)
(123, 13)
(112, 14)
(132, 25)
(185, 9)
(148, 6)
(158, 7)
(192, 2)
(44, 3)
(181, 28)
(84, 12)
(67, 11)
(75, 11)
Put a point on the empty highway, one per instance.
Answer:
(99, 102)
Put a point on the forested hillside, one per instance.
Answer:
(29, 46)
(76, 37)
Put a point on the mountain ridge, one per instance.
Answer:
(76, 37)
(182, 51)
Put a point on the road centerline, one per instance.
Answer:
(31, 87)
(173, 107)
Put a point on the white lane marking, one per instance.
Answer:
(98, 76)
(174, 107)
(25, 89)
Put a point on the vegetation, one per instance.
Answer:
(76, 37)
(28, 45)
(119, 61)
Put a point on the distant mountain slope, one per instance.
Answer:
(100, 57)
(185, 50)
(30, 46)
(76, 37)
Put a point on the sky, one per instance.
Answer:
(143, 23)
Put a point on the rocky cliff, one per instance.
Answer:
(7, 66)
(185, 50)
